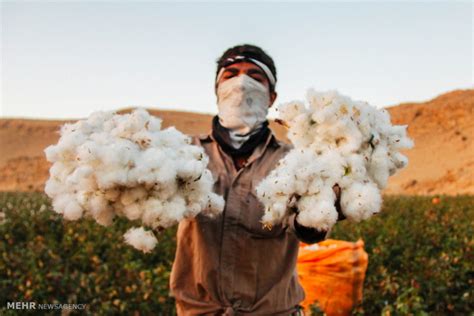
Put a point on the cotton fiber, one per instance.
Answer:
(112, 165)
(336, 140)
(141, 239)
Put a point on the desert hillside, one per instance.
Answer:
(442, 161)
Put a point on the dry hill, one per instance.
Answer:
(441, 162)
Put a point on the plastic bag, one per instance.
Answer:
(332, 274)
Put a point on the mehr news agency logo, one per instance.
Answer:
(34, 305)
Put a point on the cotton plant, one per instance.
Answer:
(336, 140)
(111, 165)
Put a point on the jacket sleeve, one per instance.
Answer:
(311, 235)
(308, 235)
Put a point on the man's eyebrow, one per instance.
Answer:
(255, 71)
(232, 70)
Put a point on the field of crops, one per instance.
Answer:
(420, 259)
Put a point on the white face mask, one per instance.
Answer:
(243, 106)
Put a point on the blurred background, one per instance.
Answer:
(61, 61)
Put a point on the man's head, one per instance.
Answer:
(248, 60)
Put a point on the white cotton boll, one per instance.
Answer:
(190, 170)
(315, 186)
(141, 174)
(119, 153)
(330, 166)
(215, 205)
(105, 217)
(97, 203)
(131, 123)
(85, 127)
(288, 111)
(100, 209)
(54, 187)
(339, 135)
(73, 211)
(68, 129)
(166, 190)
(133, 211)
(170, 137)
(89, 152)
(400, 161)
(354, 167)
(298, 132)
(112, 195)
(153, 210)
(83, 198)
(61, 201)
(139, 118)
(398, 139)
(193, 194)
(301, 186)
(360, 201)
(175, 209)
(70, 141)
(143, 138)
(317, 211)
(154, 124)
(263, 190)
(378, 167)
(382, 120)
(79, 174)
(276, 212)
(141, 239)
(192, 210)
(151, 158)
(167, 171)
(99, 118)
(284, 184)
(118, 208)
(132, 195)
(318, 100)
(324, 114)
(141, 168)
(100, 138)
(61, 170)
(53, 153)
(197, 153)
(109, 178)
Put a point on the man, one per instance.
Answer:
(231, 264)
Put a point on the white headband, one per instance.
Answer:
(264, 67)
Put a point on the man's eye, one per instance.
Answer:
(228, 76)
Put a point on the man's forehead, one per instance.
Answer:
(243, 65)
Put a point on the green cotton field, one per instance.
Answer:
(420, 250)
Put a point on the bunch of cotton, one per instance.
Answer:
(125, 165)
(140, 239)
(336, 141)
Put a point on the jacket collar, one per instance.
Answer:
(271, 141)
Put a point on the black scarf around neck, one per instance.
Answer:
(221, 135)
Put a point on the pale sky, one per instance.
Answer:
(66, 60)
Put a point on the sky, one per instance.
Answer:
(69, 59)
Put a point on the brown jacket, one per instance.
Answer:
(230, 264)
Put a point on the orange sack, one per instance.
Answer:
(332, 274)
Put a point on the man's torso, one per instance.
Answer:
(231, 262)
